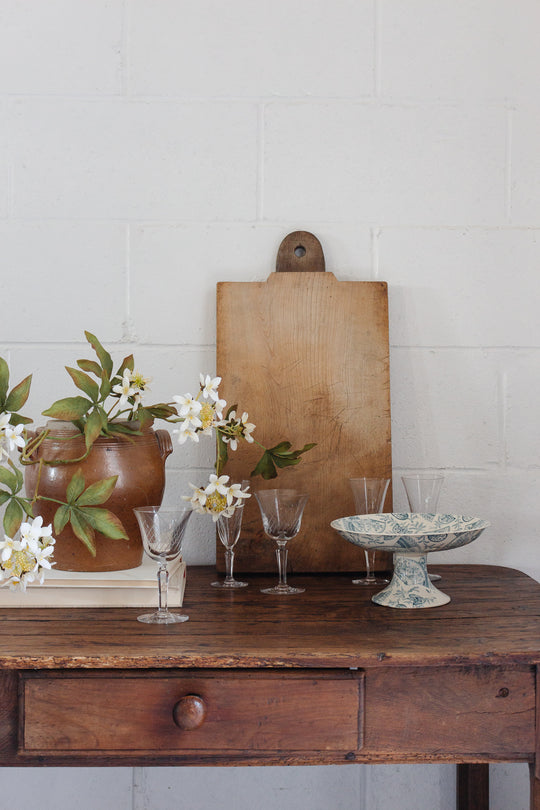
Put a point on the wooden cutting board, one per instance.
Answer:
(307, 357)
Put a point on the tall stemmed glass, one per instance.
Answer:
(281, 512)
(162, 532)
(369, 495)
(423, 490)
(228, 529)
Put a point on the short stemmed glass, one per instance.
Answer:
(369, 495)
(281, 512)
(228, 529)
(423, 490)
(162, 532)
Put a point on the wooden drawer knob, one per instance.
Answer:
(189, 712)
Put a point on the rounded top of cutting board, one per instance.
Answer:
(300, 252)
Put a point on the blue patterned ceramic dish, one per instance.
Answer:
(410, 536)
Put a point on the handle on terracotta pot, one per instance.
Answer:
(164, 443)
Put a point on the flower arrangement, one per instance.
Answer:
(203, 414)
(110, 403)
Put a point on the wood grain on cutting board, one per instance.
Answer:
(307, 357)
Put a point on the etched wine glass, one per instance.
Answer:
(228, 529)
(162, 532)
(423, 490)
(281, 512)
(369, 495)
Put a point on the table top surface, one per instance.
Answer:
(493, 618)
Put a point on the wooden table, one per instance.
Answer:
(323, 677)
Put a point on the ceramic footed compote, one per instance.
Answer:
(410, 537)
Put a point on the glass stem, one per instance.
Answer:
(370, 565)
(229, 561)
(163, 583)
(281, 554)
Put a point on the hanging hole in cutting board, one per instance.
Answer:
(299, 251)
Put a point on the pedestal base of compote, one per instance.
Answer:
(411, 586)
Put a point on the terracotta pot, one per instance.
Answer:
(139, 463)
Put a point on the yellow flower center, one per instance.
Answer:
(138, 380)
(216, 503)
(206, 415)
(20, 562)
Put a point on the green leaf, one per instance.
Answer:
(127, 362)
(75, 487)
(69, 408)
(106, 522)
(106, 385)
(18, 419)
(13, 517)
(26, 506)
(98, 493)
(266, 467)
(84, 382)
(8, 479)
(18, 474)
(144, 418)
(118, 429)
(222, 453)
(104, 357)
(161, 411)
(83, 530)
(61, 518)
(91, 366)
(18, 395)
(4, 496)
(4, 379)
(92, 428)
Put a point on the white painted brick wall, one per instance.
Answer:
(148, 150)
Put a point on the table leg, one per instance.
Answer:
(535, 788)
(473, 787)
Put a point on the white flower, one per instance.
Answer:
(187, 431)
(42, 555)
(217, 485)
(209, 386)
(237, 492)
(247, 428)
(125, 389)
(188, 405)
(10, 435)
(8, 546)
(220, 406)
(32, 533)
(197, 499)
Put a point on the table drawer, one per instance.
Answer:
(452, 710)
(213, 711)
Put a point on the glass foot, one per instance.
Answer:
(282, 589)
(163, 617)
(229, 584)
(371, 581)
